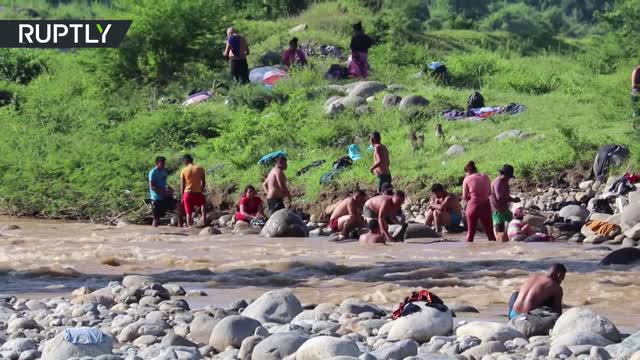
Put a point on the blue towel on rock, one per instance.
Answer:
(83, 335)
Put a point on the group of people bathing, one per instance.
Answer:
(486, 202)
(237, 50)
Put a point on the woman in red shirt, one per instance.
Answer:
(476, 190)
(250, 206)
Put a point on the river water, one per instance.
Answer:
(51, 258)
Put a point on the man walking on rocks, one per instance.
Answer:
(192, 189)
(538, 291)
(381, 161)
(275, 185)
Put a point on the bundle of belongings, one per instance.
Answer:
(267, 75)
(407, 307)
(608, 155)
(438, 70)
(312, 48)
(337, 72)
(196, 97)
(339, 166)
(623, 185)
(477, 111)
(313, 165)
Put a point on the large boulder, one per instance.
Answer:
(325, 347)
(278, 346)
(624, 256)
(60, 349)
(574, 211)
(580, 338)
(456, 149)
(489, 331)
(631, 215)
(413, 101)
(279, 306)
(585, 320)
(201, 327)
(420, 231)
(367, 88)
(285, 223)
(536, 323)
(391, 100)
(400, 350)
(231, 330)
(421, 326)
(486, 348)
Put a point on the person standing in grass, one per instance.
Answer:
(192, 188)
(293, 55)
(360, 44)
(237, 50)
(275, 185)
(476, 190)
(381, 162)
(160, 194)
(500, 201)
(635, 91)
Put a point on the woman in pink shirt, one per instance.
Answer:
(476, 190)
(293, 55)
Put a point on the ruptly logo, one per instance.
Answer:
(63, 34)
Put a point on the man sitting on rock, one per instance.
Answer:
(444, 209)
(385, 209)
(373, 236)
(538, 291)
(347, 216)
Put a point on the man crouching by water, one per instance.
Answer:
(347, 216)
(538, 291)
(276, 186)
(385, 209)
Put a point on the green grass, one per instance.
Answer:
(75, 143)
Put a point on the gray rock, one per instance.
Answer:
(391, 100)
(623, 256)
(585, 320)
(279, 306)
(594, 239)
(633, 233)
(420, 231)
(631, 215)
(627, 243)
(325, 347)
(455, 150)
(30, 355)
(356, 307)
(598, 353)
(413, 101)
(247, 346)
(489, 331)
(463, 308)
(537, 322)
(561, 351)
(209, 231)
(574, 211)
(398, 350)
(172, 339)
(284, 223)
(17, 324)
(60, 349)
(421, 326)
(18, 345)
(137, 281)
(511, 134)
(231, 330)
(486, 348)
(367, 88)
(580, 338)
(278, 346)
(396, 88)
(298, 28)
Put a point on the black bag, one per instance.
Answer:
(475, 101)
(337, 72)
(342, 163)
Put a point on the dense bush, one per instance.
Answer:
(22, 66)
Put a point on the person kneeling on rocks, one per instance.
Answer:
(540, 290)
(385, 209)
(347, 216)
(250, 206)
(373, 236)
(518, 230)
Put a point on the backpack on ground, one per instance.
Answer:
(475, 101)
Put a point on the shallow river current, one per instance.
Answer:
(51, 258)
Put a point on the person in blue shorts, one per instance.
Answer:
(444, 209)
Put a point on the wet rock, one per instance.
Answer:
(325, 347)
(574, 211)
(594, 239)
(511, 134)
(210, 230)
(285, 223)
(391, 100)
(224, 220)
(623, 256)
(537, 322)
(279, 306)
(489, 331)
(60, 349)
(486, 348)
(399, 350)
(420, 231)
(201, 327)
(367, 88)
(455, 150)
(175, 289)
(10, 227)
(585, 320)
(421, 326)
(231, 330)
(278, 346)
(413, 101)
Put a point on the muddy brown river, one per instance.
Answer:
(52, 258)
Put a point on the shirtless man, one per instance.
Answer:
(373, 236)
(444, 209)
(276, 186)
(385, 209)
(538, 291)
(381, 161)
(347, 216)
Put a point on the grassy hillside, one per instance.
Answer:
(80, 129)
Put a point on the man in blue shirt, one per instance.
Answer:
(161, 196)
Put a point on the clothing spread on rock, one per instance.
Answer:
(157, 177)
(483, 113)
(602, 227)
